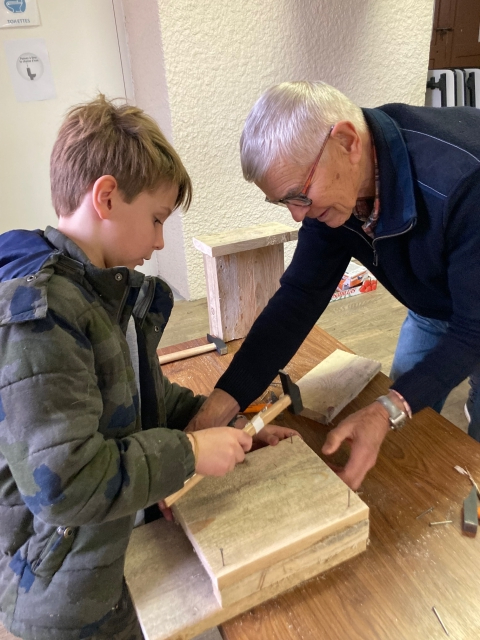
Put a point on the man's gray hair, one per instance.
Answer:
(289, 122)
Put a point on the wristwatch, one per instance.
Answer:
(234, 420)
(396, 417)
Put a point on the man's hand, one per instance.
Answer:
(365, 430)
(217, 410)
(271, 434)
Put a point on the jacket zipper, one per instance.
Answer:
(122, 303)
(372, 246)
(147, 301)
(60, 532)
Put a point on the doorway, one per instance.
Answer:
(456, 34)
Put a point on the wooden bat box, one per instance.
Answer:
(277, 520)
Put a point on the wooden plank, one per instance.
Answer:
(245, 238)
(173, 594)
(242, 527)
(213, 297)
(334, 383)
(239, 287)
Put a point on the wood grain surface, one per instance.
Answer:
(247, 515)
(333, 383)
(239, 286)
(409, 567)
(245, 238)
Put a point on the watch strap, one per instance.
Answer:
(396, 417)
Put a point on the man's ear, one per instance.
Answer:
(104, 195)
(348, 139)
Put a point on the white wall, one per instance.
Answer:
(216, 58)
(82, 43)
(147, 67)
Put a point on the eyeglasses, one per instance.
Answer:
(301, 200)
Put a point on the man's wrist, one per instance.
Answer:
(397, 397)
(217, 411)
(394, 409)
(234, 420)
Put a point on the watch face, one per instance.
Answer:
(399, 420)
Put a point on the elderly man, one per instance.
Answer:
(398, 188)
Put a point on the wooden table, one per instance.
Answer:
(387, 592)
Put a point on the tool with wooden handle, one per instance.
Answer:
(260, 406)
(214, 343)
(290, 399)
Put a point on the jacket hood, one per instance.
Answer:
(23, 253)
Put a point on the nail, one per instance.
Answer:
(424, 513)
(440, 620)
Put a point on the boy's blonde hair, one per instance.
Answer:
(100, 138)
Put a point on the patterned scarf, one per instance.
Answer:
(368, 209)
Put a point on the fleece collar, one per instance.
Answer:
(397, 200)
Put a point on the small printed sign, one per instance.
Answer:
(29, 68)
(19, 13)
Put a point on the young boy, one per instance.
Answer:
(90, 431)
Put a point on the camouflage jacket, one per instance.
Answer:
(76, 462)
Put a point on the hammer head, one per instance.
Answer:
(291, 389)
(220, 345)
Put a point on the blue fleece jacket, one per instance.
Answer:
(426, 252)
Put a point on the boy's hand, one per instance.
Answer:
(217, 451)
(220, 449)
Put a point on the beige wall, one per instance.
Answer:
(198, 67)
(81, 39)
(218, 57)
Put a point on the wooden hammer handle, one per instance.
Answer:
(252, 428)
(271, 412)
(191, 482)
(186, 353)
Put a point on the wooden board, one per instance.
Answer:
(297, 526)
(281, 511)
(333, 383)
(239, 287)
(173, 594)
(245, 239)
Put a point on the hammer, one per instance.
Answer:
(291, 398)
(214, 343)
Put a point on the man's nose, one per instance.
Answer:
(298, 213)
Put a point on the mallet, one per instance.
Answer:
(291, 398)
(214, 343)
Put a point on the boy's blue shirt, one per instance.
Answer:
(74, 452)
(426, 252)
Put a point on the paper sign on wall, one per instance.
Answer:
(19, 13)
(29, 68)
